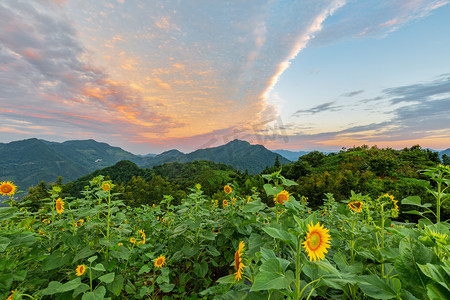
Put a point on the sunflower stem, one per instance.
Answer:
(297, 270)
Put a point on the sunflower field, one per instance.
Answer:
(230, 247)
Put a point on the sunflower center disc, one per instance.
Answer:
(314, 240)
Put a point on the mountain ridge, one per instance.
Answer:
(27, 162)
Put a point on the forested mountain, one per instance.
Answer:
(239, 154)
(92, 154)
(369, 171)
(27, 162)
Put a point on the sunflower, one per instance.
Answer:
(142, 233)
(356, 206)
(11, 296)
(317, 241)
(7, 188)
(106, 186)
(132, 240)
(281, 197)
(79, 222)
(59, 206)
(80, 270)
(238, 261)
(225, 203)
(160, 261)
(227, 189)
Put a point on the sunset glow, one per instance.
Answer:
(150, 76)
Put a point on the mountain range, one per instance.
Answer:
(27, 162)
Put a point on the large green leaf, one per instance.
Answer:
(253, 207)
(7, 212)
(413, 253)
(272, 190)
(281, 234)
(167, 287)
(273, 280)
(380, 288)
(97, 294)
(4, 242)
(22, 239)
(437, 292)
(107, 278)
(415, 200)
(56, 260)
(272, 275)
(200, 269)
(226, 279)
(83, 253)
(436, 273)
(55, 287)
(116, 286)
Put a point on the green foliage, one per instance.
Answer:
(146, 237)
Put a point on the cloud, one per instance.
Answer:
(418, 112)
(328, 106)
(367, 18)
(166, 71)
(352, 94)
(420, 92)
(46, 79)
(149, 71)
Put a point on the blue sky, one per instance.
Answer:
(149, 76)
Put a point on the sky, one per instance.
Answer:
(149, 76)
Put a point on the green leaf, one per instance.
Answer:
(107, 278)
(80, 289)
(83, 253)
(4, 242)
(55, 287)
(22, 239)
(97, 294)
(267, 254)
(436, 273)
(7, 212)
(122, 253)
(56, 260)
(253, 206)
(207, 235)
(116, 286)
(288, 182)
(167, 287)
(190, 250)
(281, 235)
(272, 280)
(212, 250)
(20, 275)
(413, 253)
(99, 267)
(415, 200)
(70, 240)
(201, 269)
(92, 259)
(437, 292)
(144, 269)
(272, 190)
(226, 279)
(6, 280)
(164, 277)
(380, 288)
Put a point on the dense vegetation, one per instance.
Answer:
(332, 226)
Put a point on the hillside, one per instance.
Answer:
(30, 161)
(92, 154)
(239, 154)
(27, 162)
